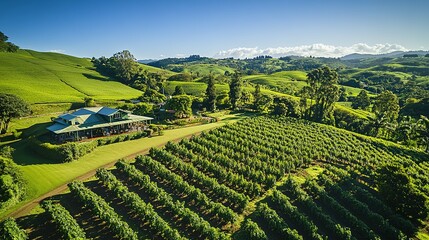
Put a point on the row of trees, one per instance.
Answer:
(145, 211)
(238, 200)
(10, 230)
(187, 216)
(222, 213)
(67, 225)
(102, 209)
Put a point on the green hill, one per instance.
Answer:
(206, 69)
(166, 73)
(289, 82)
(53, 78)
(293, 75)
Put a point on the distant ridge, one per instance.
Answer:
(356, 56)
(146, 61)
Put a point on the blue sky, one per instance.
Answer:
(158, 29)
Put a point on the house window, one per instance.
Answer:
(117, 116)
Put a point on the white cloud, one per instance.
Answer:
(57, 51)
(317, 50)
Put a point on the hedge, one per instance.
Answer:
(71, 151)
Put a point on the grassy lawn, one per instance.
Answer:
(44, 176)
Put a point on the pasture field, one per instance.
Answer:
(206, 69)
(41, 78)
(275, 178)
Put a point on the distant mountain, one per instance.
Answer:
(356, 56)
(146, 61)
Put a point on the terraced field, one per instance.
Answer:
(260, 178)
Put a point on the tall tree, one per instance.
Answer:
(324, 92)
(423, 132)
(257, 96)
(11, 107)
(264, 103)
(361, 101)
(235, 89)
(178, 90)
(386, 105)
(386, 109)
(181, 104)
(124, 65)
(211, 93)
(286, 107)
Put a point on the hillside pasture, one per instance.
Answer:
(206, 69)
(56, 78)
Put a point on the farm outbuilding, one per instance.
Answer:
(93, 122)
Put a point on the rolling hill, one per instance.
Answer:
(52, 78)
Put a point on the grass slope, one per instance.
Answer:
(206, 69)
(151, 69)
(56, 78)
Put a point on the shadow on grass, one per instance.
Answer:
(37, 129)
(76, 105)
(94, 77)
(25, 155)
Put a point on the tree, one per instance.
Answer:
(386, 108)
(12, 185)
(343, 95)
(286, 107)
(11, 107)
(264, 103)
(386, 105)
(400, 193)
(124, 65)
(257, 96)
(152, 96)
(89, 102)
(423, 132)
(406, 130)
(323, 91)
(235, 89)
(211, 94)
(6, 46)
(181, 104)
(361, 101)
(178, 90)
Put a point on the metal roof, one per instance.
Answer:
(91, 120)
(105, 111)
(86, 111)
(68, 116)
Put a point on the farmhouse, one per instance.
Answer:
(93, 122)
